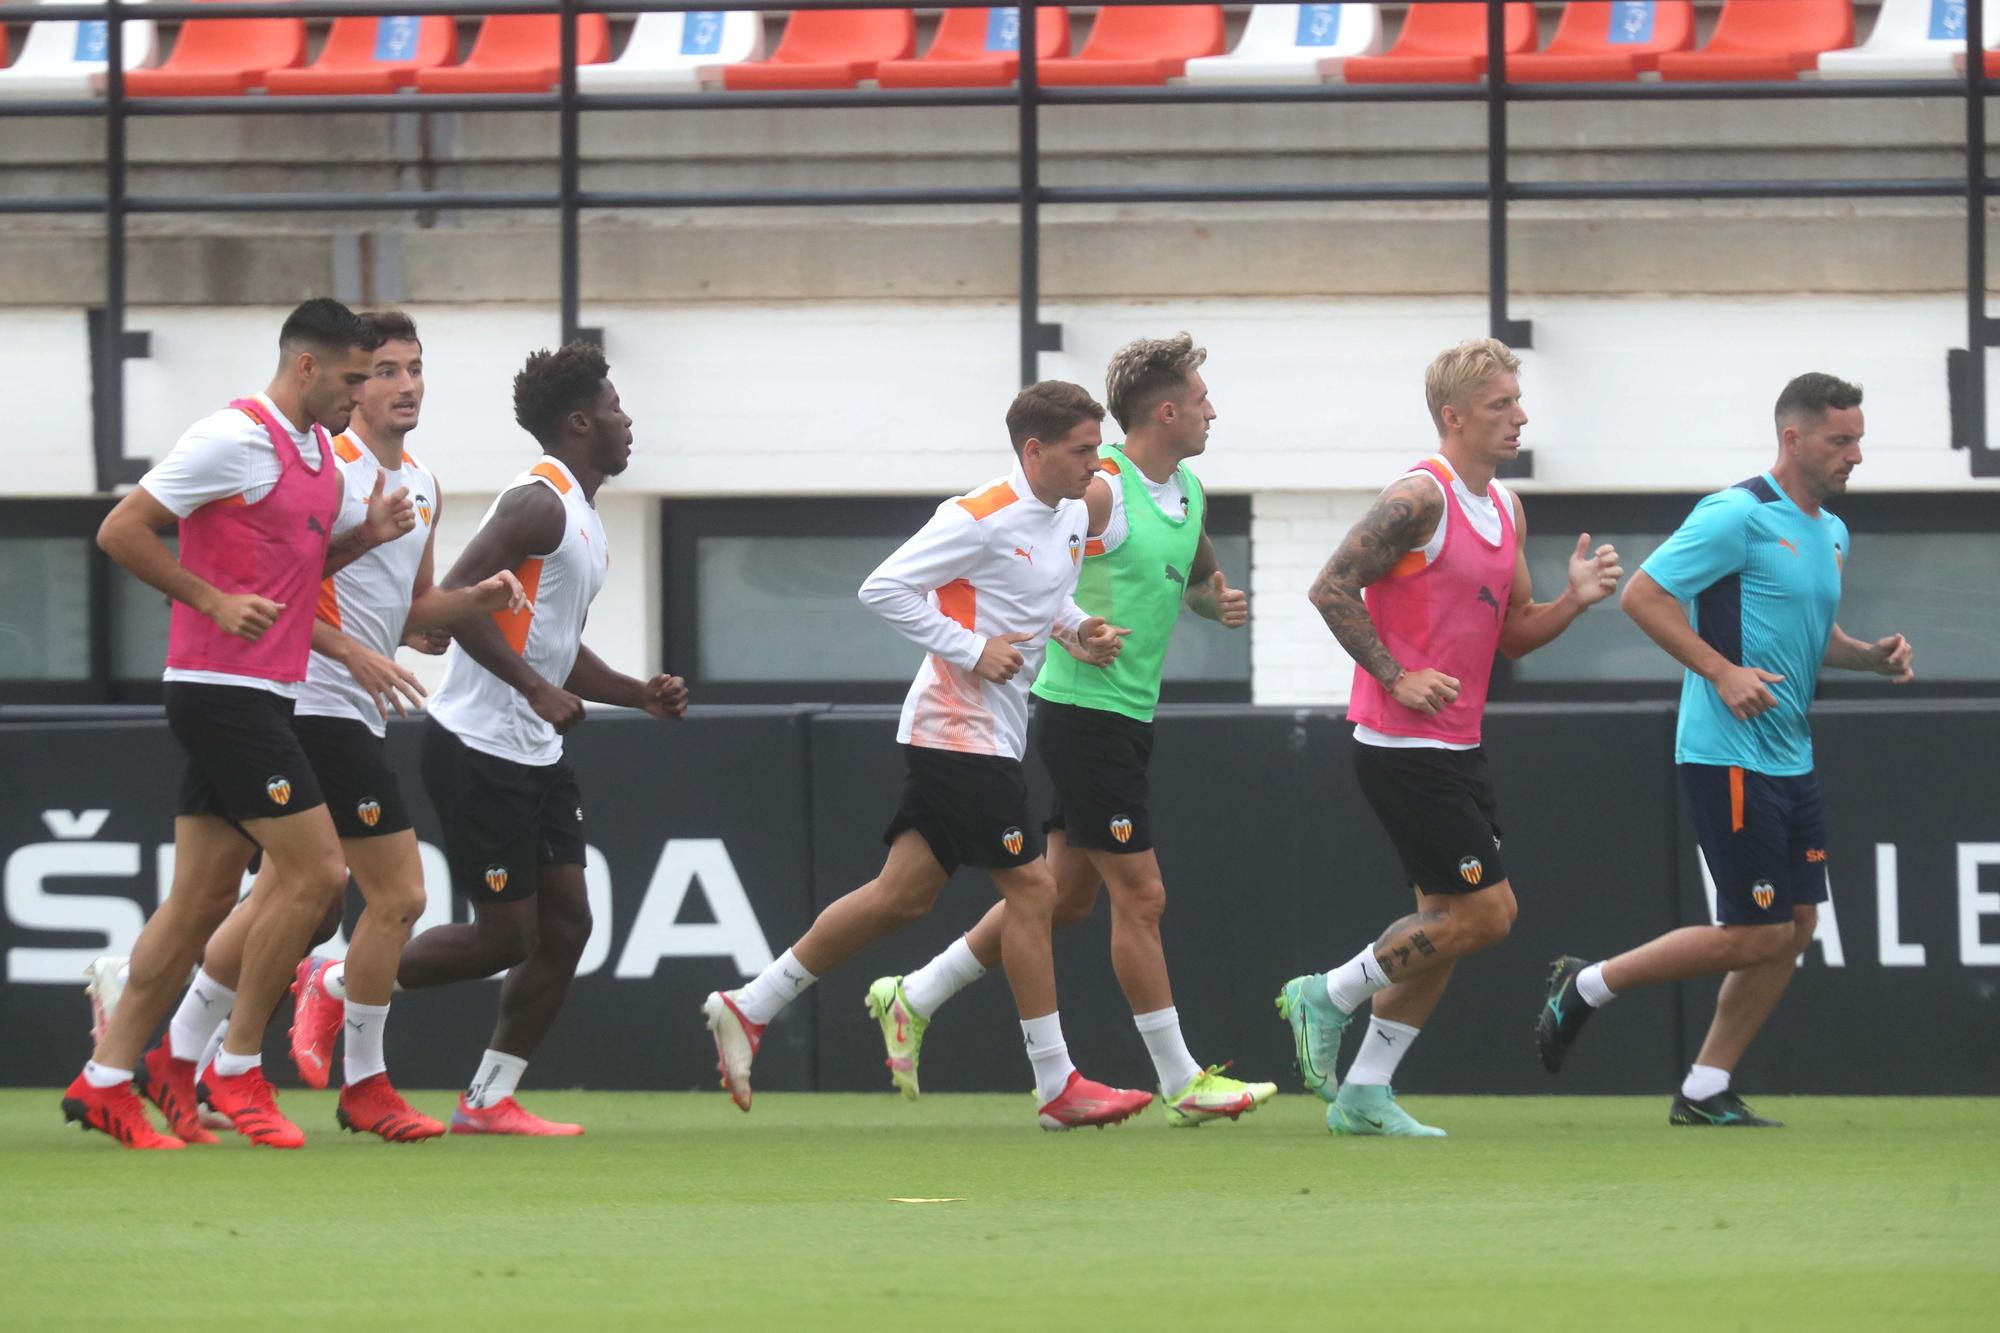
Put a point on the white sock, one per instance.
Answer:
(1590, 985)
(772, 989)
(1703, 1082)
(208, 1052)
(124, 973)
(333, 977)
(499, 1074)
(1350, 984)
(944, 976)
(363, 1044)
(1381, 1051)
(104, 1076)
(228, 1064)
(204, 1009)
(1049, 1054)
(1161, 1031)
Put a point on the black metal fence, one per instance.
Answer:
(1966, 367)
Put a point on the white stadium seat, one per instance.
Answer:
(66, 58)
(1912, 39)
(678, 52)
(1294, 44)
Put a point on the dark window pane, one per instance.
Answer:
(784, 608)
(45, 608)
(138, 624)
(1202, 649)
(1603, 643)
(1941, 590)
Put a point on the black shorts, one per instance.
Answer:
(1098, 760)
(971, 808)
(362, 793)
(502, 820)
(1437, 806)
(244, 760)
(1763, 837)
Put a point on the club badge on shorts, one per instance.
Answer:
(1121, 829)
(1470, 869)
(279, 789)
(496, 878)
(370, 811)
(1763, 893)
(1013, 841)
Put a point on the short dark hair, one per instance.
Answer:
(325, 325)
(1812, 395)
(554, 384)
(1049, 411)
(390, 326)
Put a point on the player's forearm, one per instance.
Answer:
(1346, 614)
(347, 547)
(592, 679)
(1844, 652)
(1538, 624)
(140, 552)
(439, 608)
(1203, 600)
(912, 615)
(1656, 613)
(330, 642)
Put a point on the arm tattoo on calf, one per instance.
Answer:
(1401, 520)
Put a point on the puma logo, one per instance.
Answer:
(1486, 596)
(312, 525)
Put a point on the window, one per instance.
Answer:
(1926, 566)
(74, 628)
(760, 605)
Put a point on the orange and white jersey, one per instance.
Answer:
(368, 600)
(997, 561)
(477, 706)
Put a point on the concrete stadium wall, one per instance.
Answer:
(714, 841)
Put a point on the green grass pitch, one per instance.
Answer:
(676, 1211)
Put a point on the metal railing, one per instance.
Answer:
(1966, 369)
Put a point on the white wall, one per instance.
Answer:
(1320, 402)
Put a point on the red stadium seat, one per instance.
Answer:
(222, 57)
(830, 48)
(372, 55)
(1600, 42)
(1443, 43)
(978, 48)
(1140, 44)
(1766, 39)
(519, 53)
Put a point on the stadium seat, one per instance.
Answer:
(1607, 42)
(978, 48)
(1140, 44)
(221, 57)
(1765, 39)
(678, 52)
(830, 48)
(1294, 44)
(67, 58)
(371, 55)
(1912, 39)
(1444, 43)
(519, 53)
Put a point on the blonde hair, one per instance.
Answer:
(1459, 370)
(1142, 373)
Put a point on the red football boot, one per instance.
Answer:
(506, 1117)
(252, 1106)
(116, 1111)
(169, 1084)
(316, 1018)
(1086, 1103)
(373, 1107)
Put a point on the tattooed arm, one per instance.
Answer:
(1402, 520)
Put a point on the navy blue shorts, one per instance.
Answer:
(1764, 839)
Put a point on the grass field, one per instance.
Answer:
(677, 1211)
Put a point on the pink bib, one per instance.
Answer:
(275, 548)
(1446, 615)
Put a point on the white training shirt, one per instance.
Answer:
(222, 455)
(369, 599)
(1169, 495)
(478, 707)
(1484, 513)
(995, 561)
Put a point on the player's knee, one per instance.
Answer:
(1071, 908)
(506, 940)
(1486, 919)
(328, 927)
(1141, 903)
(401, 905)
(1032, 894)
(566, 928)
(1778, 943)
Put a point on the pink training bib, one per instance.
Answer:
(275, 548)
(1446, 615)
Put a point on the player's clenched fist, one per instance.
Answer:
(1097, 642)
(667, 696)
(556, 706)
(999, 661)
(245, 615)
(1425, 690)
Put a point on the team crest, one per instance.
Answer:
(1762, 893)
(496, 878)
(1013, 841)
(1075, 549)
(370, 811)
(1121, 829)
(424, 509)
(1470, 869)
(279, 789)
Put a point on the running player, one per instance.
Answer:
(1094, 728)
(982, 588)
(1441, 556)
(256, 500)
(493, 745)
(1743, 595)
(352, 683)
